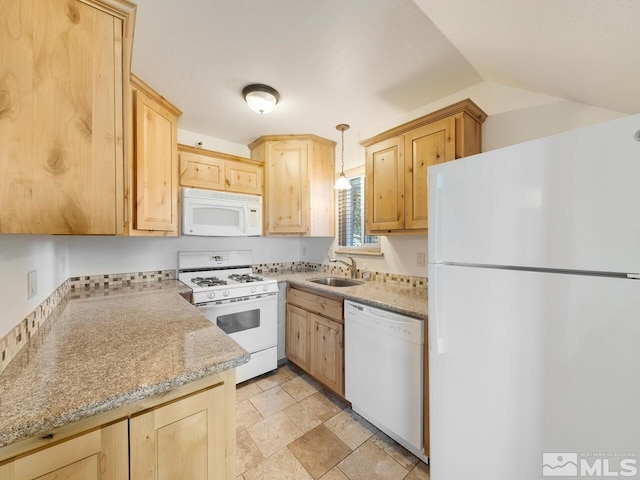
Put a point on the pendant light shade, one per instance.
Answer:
(343, 182)
(260, 98)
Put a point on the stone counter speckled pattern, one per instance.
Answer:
(98, 353)
(404, 300)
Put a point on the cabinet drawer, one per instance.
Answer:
(327, 307)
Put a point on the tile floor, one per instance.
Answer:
(290, 428)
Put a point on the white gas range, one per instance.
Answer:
(242, 304)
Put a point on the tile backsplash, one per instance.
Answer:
(389, 278)
(119, 279)
(18, 337)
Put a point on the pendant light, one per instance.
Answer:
(343, 182)
(260, 98)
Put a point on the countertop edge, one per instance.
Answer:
(106, 405)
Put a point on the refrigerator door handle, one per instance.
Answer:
(437, 337)
(438, 209)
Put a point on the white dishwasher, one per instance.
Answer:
(384, 367)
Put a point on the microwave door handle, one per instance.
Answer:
(245, 220)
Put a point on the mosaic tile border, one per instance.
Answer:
(388, 278)
(18, 337)
(119, 279)
(279, 267)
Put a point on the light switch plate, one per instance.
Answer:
(32, 284)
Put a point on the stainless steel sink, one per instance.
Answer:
(336, 282)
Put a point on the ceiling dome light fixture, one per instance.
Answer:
(343, 182)
(260, 98)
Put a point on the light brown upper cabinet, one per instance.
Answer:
(210, 170)
(153, 186)
(300, 172)
(63, 91)
(396, 163)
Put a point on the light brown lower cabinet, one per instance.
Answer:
(185, 433)
(297, 336)
(327, 352)
(100, 454)
(180, 440)
(315, 336)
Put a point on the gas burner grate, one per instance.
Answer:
(208, 281)
(246, 278)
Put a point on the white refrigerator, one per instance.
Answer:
(534, 309)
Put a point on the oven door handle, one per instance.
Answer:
(248, 301)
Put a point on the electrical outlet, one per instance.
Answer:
(32, 284)
(420, 259)
(304, 251)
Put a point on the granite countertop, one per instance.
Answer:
(105, 350)
(404, 300)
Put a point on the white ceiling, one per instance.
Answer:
(357, 61)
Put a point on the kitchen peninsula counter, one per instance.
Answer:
(404, 300)
(106, 348)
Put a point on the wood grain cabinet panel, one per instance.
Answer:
(299, 178)
(327, 353)
(384, 189)
(153, 185)
(243, 177)
(297, 336)
(288, 188)
(315, 336)
(424, 147)
(200, 168)
(396, 163)
(201, 171)
(101, 455)
(184, 439)
(64, 68)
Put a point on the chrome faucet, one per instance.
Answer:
(352, 266)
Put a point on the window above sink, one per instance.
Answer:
(352, 237)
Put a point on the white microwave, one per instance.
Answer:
(220, 214)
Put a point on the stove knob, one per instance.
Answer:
(211, 295)
(225, 293)
(264, 288)
(253, 289)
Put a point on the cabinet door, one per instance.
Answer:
(102, 454)
(425, 146)
(201, 171)
(61, 150)
(184, 439)
(297, 336)
(156, 166)
(327, 353)
(243, 177)
(384, 190)
(287, 203)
